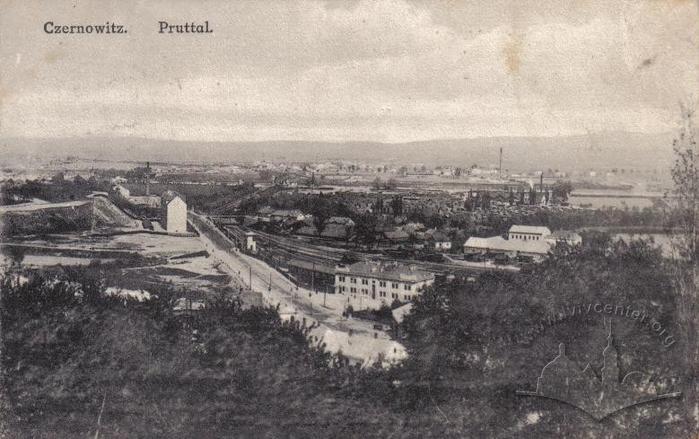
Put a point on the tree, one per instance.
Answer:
(686, 180)
(365, 228)
(561, 189)
(321, 214)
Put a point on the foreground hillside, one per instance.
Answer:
(77, 362)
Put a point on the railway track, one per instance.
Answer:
(299, 249)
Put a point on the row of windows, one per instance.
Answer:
(381, 293)
(526, 237)
(382, 283)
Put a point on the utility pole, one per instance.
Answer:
(250, 267)
(313, 277)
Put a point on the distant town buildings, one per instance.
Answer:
(174, 212)
(385, 281)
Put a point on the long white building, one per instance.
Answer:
(382, 281)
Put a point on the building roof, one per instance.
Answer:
(440, 237)
(340, 220)
(498, 243)
(168, 196)
(387, 271)
(532, 230)
(327, 269)
(396, 235)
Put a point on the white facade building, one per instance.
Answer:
(385, 282)
(174, 212)
(250, 243)
(528, 233)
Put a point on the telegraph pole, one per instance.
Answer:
(250, 267)
(313, 277)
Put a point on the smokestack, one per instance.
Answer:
(500, 165)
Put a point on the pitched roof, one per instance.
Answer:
(168, 196)
(536, 230)
(440, 237)
(396, 235)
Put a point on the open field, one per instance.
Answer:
(139, 261)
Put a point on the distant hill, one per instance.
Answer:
(602, 150)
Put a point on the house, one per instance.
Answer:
(384, 281)
(336, 227)
(528, 233)
(121, 191)
(440, 241)
(285, 214)
(174, 212)
(570, 238)
(396, 236)
(145, 200)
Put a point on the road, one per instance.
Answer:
(356, 339)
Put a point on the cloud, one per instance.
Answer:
(379, 70)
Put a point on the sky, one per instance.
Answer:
(389, 71)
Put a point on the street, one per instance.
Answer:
(356, 339)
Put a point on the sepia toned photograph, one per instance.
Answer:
(349, 219)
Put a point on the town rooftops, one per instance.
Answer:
(500, 244)
(530, 230)
(386, 271)
(168, 196)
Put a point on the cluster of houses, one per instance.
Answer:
(170, 205)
